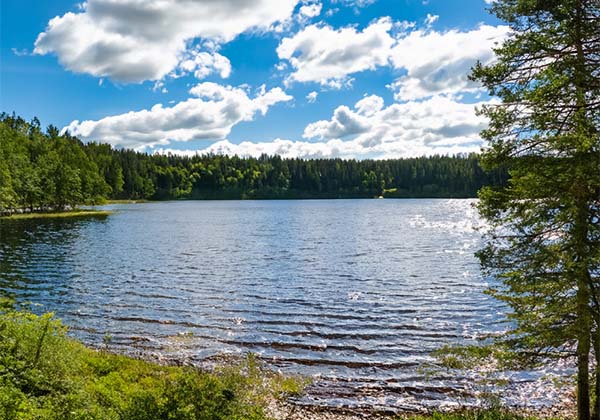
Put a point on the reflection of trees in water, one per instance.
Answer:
(34, 256)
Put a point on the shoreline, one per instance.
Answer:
(125, 201)
(281, 199)
(58, 215)
(287, 411)
(245, 385)
(298, 198)
(291, 408)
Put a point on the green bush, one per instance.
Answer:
(46, 375)
(488, 414)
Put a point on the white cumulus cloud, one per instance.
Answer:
(211, 114)
(439, 62)
(281, 147)
(438, 125)
(138, 40)
(202, 64)
(326, 55)
(369, 105)
(344, 122)
(435, 62)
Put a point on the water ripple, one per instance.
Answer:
(356, 293)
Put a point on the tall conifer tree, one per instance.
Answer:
(544, 242)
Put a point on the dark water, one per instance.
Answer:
(353, 292)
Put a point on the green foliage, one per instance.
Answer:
(544, 241)
(44, 171)
(6, 304)
(46, 375)
(467, 357)
(51, 172)
(59, 215)
(474, 415)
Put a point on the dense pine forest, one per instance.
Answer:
(44, 170)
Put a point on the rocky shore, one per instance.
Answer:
(564, 406)
(290, 411)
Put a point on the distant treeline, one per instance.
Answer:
(45, 170)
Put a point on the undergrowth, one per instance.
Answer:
(44, 374)
(483, 414)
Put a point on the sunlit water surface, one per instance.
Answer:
(355, 293)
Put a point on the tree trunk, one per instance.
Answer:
(583, 351)
(596, 341)
(581, 274)
(580, 231)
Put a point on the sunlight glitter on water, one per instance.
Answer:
(355, 293)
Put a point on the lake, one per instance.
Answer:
(354, 293)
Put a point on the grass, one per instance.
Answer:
(57, 215)
(45, 375)
(487, 414)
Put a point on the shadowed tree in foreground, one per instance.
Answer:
(544, 241)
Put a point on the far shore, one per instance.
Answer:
(278, 198)
(125, 201)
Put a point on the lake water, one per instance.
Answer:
(355, 293)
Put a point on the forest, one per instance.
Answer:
(46, 170)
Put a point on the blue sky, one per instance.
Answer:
(308, 78)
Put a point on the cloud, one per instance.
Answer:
(20, 52)
(311, 10)
(344, 123)
(210, 114)
(354, 3)
(284, 148)
(439, 62)
(202, 64)
(434, 62)
(312, 97)
(135, 40)
(159, 86)
(431, 19)
(438, 125)
(369, 105)
(326, 55)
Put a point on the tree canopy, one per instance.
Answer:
(46, 170)
(544, 242)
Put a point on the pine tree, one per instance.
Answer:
(544, 242)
